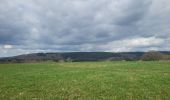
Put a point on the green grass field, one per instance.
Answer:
(85, 81)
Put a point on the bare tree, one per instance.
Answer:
(152, 56)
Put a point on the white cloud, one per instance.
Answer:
(134, 44)
(7, 46)
(142, 41)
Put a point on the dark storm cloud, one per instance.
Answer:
(84, 25)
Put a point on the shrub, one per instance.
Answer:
(152, 56)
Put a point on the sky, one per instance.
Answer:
(29, 26)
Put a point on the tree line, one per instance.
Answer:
(155, 56)
(88, 56)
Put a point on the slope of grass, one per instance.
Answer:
(85, 81)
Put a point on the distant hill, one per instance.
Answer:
(76, 56)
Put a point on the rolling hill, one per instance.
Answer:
(76, 56)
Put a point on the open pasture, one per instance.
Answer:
(85, 81)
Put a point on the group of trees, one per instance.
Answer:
(154, 56)
(88, 56)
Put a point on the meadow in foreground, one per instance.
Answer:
(85, 81)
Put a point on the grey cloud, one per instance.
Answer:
(82, 25)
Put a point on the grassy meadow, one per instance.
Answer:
(85, 81)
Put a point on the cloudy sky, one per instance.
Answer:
(28, 26)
